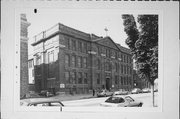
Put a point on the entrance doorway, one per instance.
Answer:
(108, 83)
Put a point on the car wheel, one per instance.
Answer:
(140, 105)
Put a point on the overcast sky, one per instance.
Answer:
(88, 21)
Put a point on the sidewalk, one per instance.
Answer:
(68, 97)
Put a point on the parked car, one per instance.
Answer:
(104, 93)
(41, 102)
(31, 95)
(121, 101)
(156, 90)
(121, 92)
(136, 91)
(46, 93)
(146, 90)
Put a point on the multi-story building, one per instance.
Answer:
(71, 61)
(24, 55)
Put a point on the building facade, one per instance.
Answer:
(71, 61)
(24, 55)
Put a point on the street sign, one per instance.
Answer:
(62, 85)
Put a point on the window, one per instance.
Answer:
(67, 77)
(98, 64)
(85, 48)
(128, 59)
(80, 46)
(124, 69)
(115, 100)
(79, 62)
(67, 60)
(80, 78)
(85, 78)
(103, 51)
(121, 80)
(107, 53)
(116, 67)
(112, 53)
(30, 63)
(127, 80)
(73, 61)
(129, 99)
(68, 43)
(124, 83)
(121, 69)
(31, 76)
(73, 77)
(73, 45)
(107, 66)
(130, 70)
(121, 58)
(116, 79)
(124, 58)
(116, 55)
(85, 62)
(127, 69)
(51, 56)
(37, 70)
(98, 50)
(98, 78)
(32, 72)
(51, 66)
(38, 60)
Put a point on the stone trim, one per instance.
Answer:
(92, 52)
(61, 46)
(104, 55)
(113, 57)
(119, 59)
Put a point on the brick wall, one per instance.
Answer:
(71, 48)
(24, 56)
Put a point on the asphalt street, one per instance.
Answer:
(145, 98)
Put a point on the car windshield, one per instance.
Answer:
(129, 99)
(135, 89)
(115, 100)
(47, 104)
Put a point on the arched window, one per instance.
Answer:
(98, 64)
(67, 60)
(73, 61)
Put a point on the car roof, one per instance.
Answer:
(121, 96)
(40, 100)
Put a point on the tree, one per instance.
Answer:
(143, 43)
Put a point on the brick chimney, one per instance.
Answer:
(24, 55)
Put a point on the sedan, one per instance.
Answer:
(136, 91)
(104, 93)
(146, 90)
(46, 93)
(31, 95)
(41, 102)
(120, 92)
(121, 101)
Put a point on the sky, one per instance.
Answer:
(86, 20)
